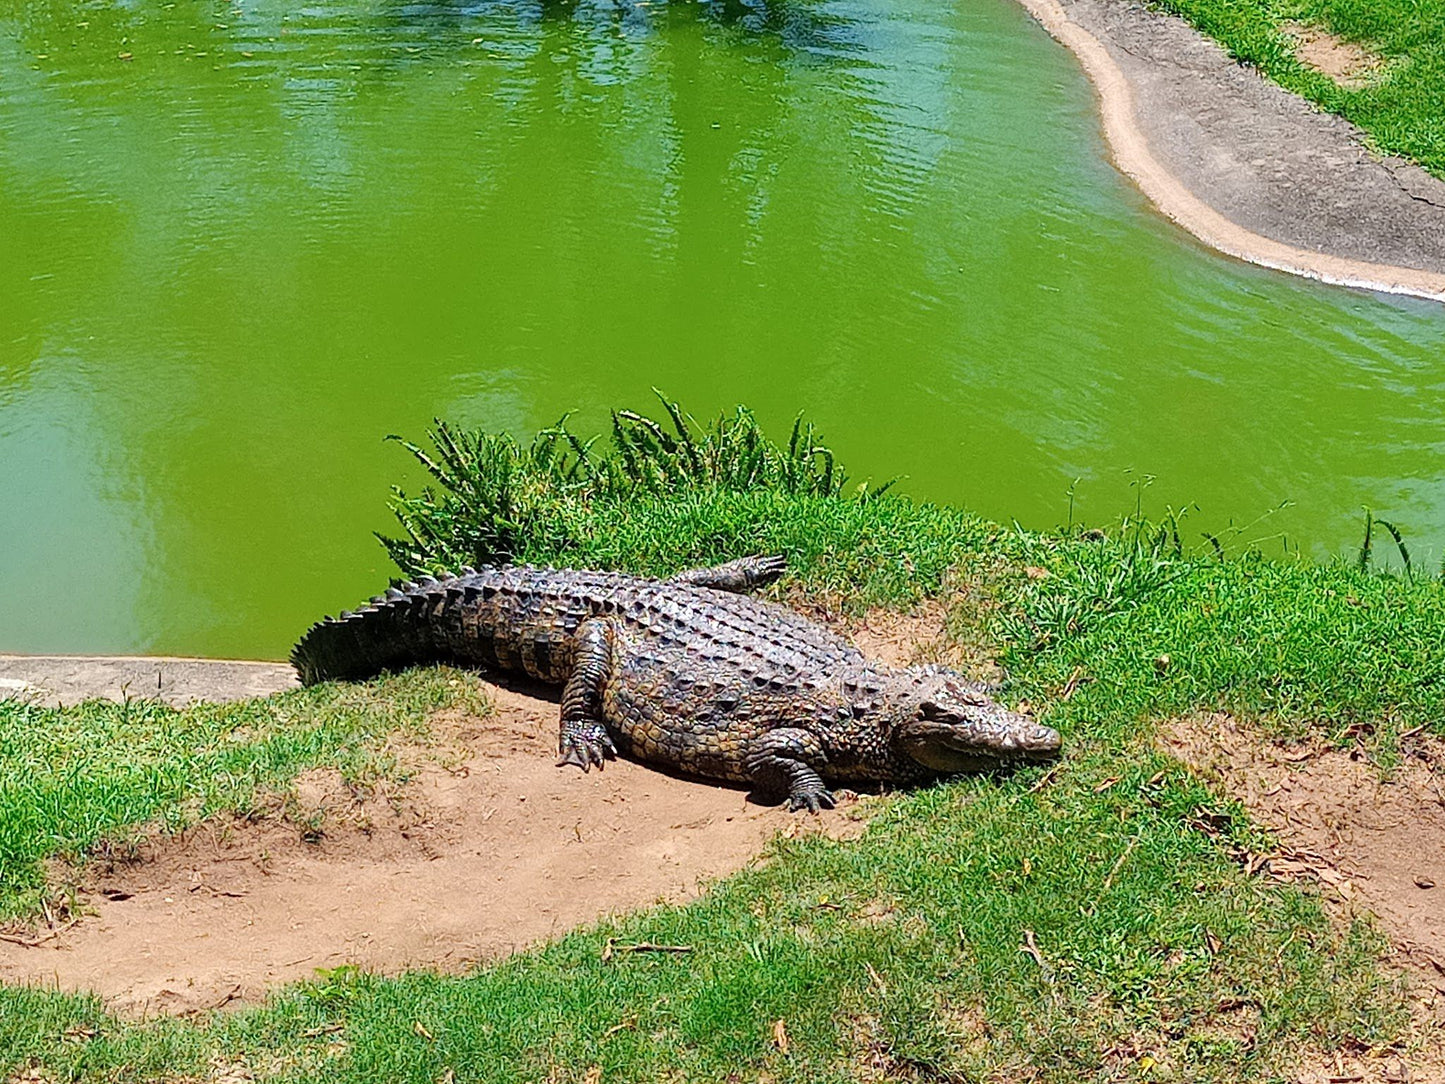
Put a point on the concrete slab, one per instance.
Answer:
(56, 680)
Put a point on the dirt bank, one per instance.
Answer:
(1370, 842)
(1247, 167)
(488, 849)
(463, 864)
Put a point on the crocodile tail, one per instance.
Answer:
(392, 631)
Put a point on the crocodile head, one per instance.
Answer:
(949, 724)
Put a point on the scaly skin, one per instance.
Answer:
(690, 674)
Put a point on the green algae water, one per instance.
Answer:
(241, 243)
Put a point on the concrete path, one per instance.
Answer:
(1246, 166)
(56, 680)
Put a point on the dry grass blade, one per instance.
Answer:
(1031, 949)
(1118, 864)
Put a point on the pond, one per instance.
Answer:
(241, 243)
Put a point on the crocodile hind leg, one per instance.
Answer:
(739, 577)
(584, 740)
(781, 761)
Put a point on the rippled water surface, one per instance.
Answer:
(240, 244)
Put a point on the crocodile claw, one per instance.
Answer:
(588, 748)
(811, 800)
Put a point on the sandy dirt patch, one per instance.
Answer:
(900, 639)
(495, 851)
(1347, 63)
(1371, 841)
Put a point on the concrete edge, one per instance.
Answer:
(12, 657)
(61, 680)
(1132, 154)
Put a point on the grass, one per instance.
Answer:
(1402, 108)
(77, 778)
(1091, 923)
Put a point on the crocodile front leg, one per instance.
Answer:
(739, 577)
(781, 762)
(584, 740)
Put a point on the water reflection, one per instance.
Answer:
(241, 243)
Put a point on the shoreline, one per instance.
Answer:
(1375, 211)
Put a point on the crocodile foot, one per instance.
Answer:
(810, 798)
(587, 746)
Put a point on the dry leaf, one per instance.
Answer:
(420, 1028)
(780, 1036)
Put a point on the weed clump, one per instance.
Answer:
(495, 498)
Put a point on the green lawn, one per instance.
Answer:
(1093, 922)
(1402, 109)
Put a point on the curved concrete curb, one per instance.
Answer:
(1134, 156)
(58, 680)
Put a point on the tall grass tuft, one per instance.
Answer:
(1367, 547)
(492, 496)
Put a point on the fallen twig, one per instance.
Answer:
(1045, 779)
(36, 942)
(1077, 678)
(230, 995)
(630, 1024)
(611, 948)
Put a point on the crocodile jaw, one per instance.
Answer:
(990, 739)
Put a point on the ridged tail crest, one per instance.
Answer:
(391, 631)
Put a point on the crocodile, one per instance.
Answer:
(692, 674)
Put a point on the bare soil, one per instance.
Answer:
(490, 851)
(1372, 841)
(1347, 63)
